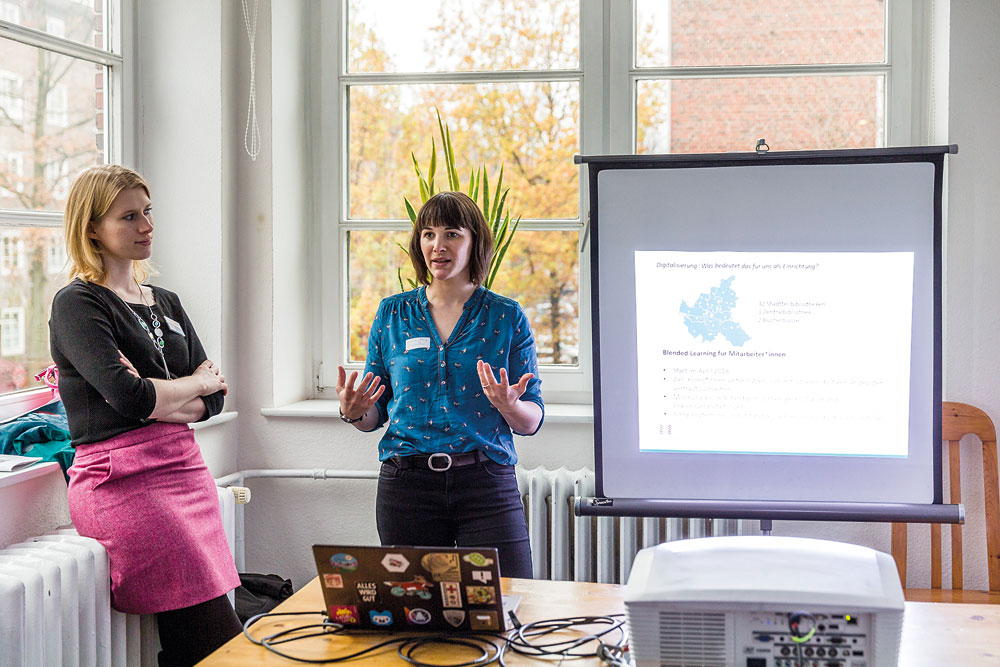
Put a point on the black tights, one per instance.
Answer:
(189, 634)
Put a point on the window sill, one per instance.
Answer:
(19, 403)
(558, 413)
(31, 472)
(215, 420)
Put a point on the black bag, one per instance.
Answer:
(260, 593)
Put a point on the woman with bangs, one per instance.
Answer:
(452, 373)
(132, 375)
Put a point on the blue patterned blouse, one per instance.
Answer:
(433, 400)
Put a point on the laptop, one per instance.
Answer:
(451, 589)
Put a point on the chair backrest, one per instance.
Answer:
(959, 420)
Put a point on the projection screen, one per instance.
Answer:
(768, 328)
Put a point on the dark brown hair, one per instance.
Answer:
(453, 209)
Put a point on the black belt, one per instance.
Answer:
(439, 462)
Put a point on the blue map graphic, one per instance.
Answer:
(711, 315)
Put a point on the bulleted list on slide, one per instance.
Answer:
(774, 352)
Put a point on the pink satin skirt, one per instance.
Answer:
(149, 499)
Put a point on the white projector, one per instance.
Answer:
(763, 602)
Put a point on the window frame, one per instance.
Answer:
(607, 77)
(118, 56)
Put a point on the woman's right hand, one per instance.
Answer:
(211, 377)
(356, 402)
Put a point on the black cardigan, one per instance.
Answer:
(88, 325)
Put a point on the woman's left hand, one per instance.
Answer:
(128, 365)
(502, 394)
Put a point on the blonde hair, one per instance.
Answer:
(90, 197)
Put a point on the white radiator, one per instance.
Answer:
(55, 604)
(565, 547)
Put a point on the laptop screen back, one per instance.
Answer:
(411, 588)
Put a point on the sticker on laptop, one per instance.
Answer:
(417, 616)
(418, 586)
(485, 576)
(367, 591)
(442, 566)
(345, 562)
(480, 594)
(477, 559)
(483, 620)
(333, 581)
(395, 563)
(345, 614)
(451, 594)
(380, 617)
(455, 617)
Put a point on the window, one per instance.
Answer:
(533, 83)
(57, 106)
(55, 256)
(55, 26)
(714, 77)
(57, 176)
(10, 11)
(61, 101)
(11, 332)
(11, 101)
(12, 180)
(11, 254)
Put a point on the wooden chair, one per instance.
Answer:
(959, 420)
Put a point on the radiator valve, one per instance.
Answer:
(241, 493)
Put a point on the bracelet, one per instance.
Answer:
(347, 420)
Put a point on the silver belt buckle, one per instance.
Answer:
(447, 459)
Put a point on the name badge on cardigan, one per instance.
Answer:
(174, 326)
(418, 343)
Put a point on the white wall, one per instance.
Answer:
(265, 328)
(179, 89)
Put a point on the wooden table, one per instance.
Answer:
(935, 633)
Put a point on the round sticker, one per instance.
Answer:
(345, 562)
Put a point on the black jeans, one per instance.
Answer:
(472, 506)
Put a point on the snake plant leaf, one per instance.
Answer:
(399, 277)
(452, 171)
(503, 251)
(410, 212)
(486, 194)
(497, 210)
(416, 166)
(496, 197)
(432, 168)
(474, 185)
(420, 177)
(502, 232)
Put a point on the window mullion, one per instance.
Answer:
(620, 89)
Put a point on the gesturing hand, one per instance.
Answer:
(502, 394)
(356, 402)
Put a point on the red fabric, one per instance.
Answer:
(149, 499)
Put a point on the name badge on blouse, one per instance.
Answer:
(418, 343)
(174, 326)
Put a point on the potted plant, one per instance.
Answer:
(495, 210)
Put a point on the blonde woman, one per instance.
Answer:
(132, 375)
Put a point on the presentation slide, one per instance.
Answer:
(767, 352)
